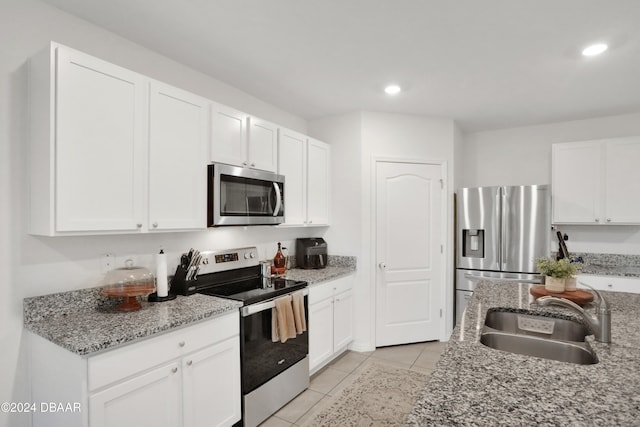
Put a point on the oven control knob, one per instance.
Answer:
(246, 255)
(252, 255)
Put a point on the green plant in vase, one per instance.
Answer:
(556, 272)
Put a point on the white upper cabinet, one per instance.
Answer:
(88, 150)
(305, 163)
(112, 151)
(592, 181)
(228, 135)
(262, 144)
(318, 182)
(622, 204)
(292, 163)
(242, 140)
(178, 129)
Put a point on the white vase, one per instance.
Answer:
(553, 284)
(570, 284)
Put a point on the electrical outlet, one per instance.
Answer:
(107, 262)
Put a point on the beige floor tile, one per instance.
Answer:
(299, 406)
(403, 354)
(275, 422)
(427, 360)
(324, 403)
(326, 380)
(349, 361)
(435, 347)
(422, 370)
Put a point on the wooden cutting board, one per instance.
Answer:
(578, 296)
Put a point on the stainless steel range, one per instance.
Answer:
(273, 373)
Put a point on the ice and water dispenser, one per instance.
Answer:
(472, 243)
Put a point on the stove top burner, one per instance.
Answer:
(253, 290)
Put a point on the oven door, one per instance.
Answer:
(263, 359)
(241, 196)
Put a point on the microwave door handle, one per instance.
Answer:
(276, 187)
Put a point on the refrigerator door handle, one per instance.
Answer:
(503, 228)
(501, 279)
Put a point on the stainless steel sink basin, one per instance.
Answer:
(537, 336)
(536, 325)
(563, 351)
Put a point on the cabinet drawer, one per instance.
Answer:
(120, 363)
(330, 288)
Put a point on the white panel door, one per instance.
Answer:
(623, 176)
(576, 177)
(178, 129)
(100, 145)
(151, 399)
(228, 135)
(409, 234)
(263, 145)
(292, 163)
(318, 187)
(212, 395)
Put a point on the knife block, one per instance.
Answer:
(180, 285)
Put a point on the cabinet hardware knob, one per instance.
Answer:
(139, 225)
(310, 222)
(610, 285)
(597, 219)
(155, 225)
(174, 370)
(244, 163)
(608, 219)
(190, 362)
(181, 343)
(253, 165)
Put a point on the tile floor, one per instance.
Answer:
(421, 357)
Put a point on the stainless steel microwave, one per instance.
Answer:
(242, 196)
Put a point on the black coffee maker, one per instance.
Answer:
(311, 253)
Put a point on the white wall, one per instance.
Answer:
(37, 265)
(373, 135)
(520, 156)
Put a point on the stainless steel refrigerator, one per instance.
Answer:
(500, 233)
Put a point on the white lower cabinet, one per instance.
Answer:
(611, 283)
(330, 320)
(189, 377)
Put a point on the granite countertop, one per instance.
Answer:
(477, 385)
(337, 267)
(84, 322)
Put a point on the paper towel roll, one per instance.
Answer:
(162, 287)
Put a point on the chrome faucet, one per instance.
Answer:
(600, 324)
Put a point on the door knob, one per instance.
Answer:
(382, 266)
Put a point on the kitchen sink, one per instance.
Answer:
(536, 325)
(537, 336)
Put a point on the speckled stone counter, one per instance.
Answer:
(474, 385)
(337, 266)
(609, 264)
(85, 322)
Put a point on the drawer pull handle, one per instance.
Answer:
(280, 362)
(181, 343)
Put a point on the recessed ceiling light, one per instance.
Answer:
(594, 49)
(392, 89)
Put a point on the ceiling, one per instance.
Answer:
(487, 64)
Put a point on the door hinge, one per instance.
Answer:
(441, 183)
(440, 313)
(441, 249)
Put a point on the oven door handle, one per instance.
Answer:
(257, 308)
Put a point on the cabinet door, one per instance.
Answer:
(100, 150)
(263, 145)
(228, 135)
(292, 163)
(622, 205)
(177, 159)
(212, 395)
(576, 182)
(320, 332)
(151, 399)
(342, 320)
(318, 184)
